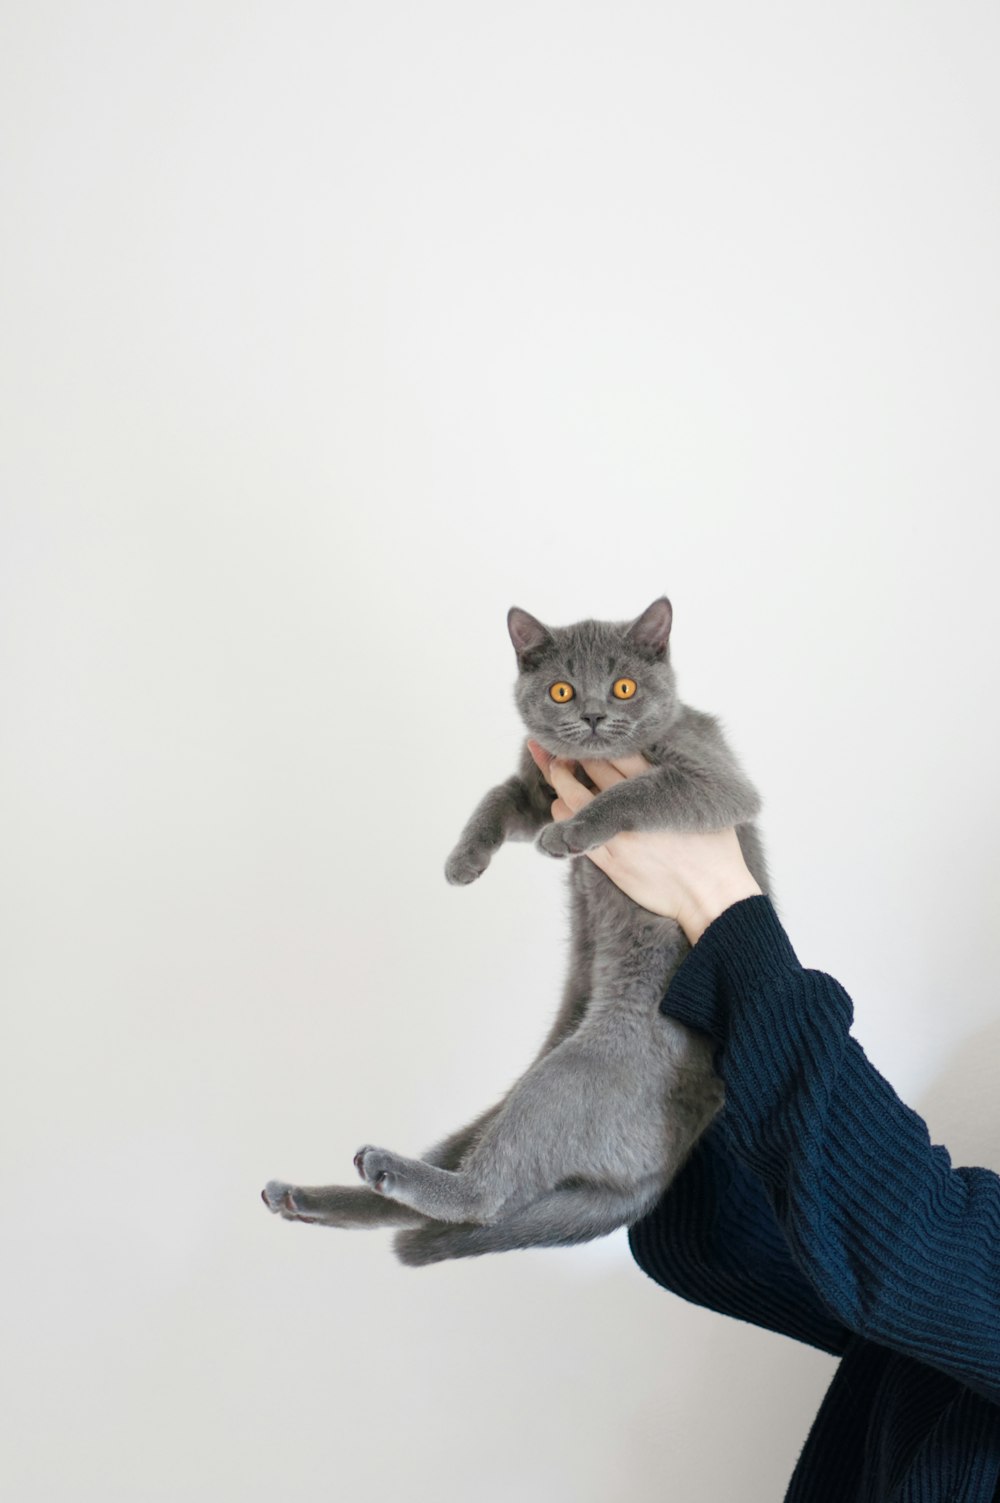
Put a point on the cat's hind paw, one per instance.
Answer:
(283, 1200)
(379, 1169)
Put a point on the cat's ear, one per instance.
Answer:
(527, 634)
(650, 632)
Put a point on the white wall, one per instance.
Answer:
(330, 331)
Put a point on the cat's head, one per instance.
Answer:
(597, 688)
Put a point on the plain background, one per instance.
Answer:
(330, 331)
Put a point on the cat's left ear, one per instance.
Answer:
(650, 632)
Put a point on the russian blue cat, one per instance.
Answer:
(591, 1135)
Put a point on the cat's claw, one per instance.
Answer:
(273, 1194)
(282, 1200)
(375, 1167)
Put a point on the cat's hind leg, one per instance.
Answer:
(570, 1117)
(442, 1194)
(564, 1216)
(574, 1115)
(450, 1151)
(336, 1205)
(347, 1206)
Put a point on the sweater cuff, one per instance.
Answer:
(740, 952)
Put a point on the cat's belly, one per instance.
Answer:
(635, 952)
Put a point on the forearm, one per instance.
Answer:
(685, 798)
(714, 1239)
(711, 895)
(510, 811)
(901, 1248)
(685, 802)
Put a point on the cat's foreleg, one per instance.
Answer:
(336, 1205)
(668, 798)
(514, 810)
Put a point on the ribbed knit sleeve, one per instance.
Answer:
(713, 1238)
(901, 1248)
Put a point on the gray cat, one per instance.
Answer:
(592, 1134)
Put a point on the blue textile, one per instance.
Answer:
(817, 1206)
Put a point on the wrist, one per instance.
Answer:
(705, 905)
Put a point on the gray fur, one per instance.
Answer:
(595, 1130)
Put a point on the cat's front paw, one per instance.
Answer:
(565, 839)
(465, 864)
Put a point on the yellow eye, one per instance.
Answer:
(561, 693)
(624, 688)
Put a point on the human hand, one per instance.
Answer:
(691, 878)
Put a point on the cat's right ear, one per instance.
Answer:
(528, 635)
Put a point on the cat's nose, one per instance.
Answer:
(592, 720)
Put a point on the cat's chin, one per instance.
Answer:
(598, 750)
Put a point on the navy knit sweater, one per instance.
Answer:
(817, 1206)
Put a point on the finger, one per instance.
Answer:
(602, 772)
(607, 773)
(540, 757)
(569, 788)
(559, 810)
